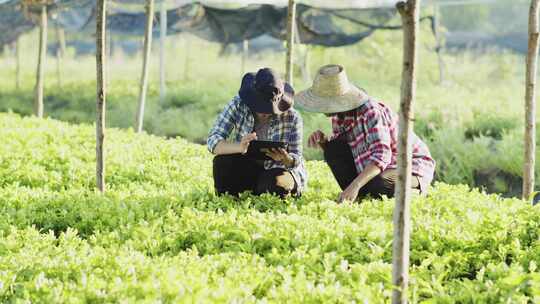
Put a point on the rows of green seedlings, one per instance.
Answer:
(160, 234)
(457, 146)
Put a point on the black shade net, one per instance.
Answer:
(316, 26)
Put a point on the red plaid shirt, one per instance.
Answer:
(371, 131)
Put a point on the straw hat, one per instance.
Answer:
(331, 92)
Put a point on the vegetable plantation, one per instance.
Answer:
(159, 235)
(109, 196)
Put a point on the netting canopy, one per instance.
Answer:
(13, 22)
(18, 17)
(328, 27)
(320, 26)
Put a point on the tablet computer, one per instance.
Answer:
(257, 149)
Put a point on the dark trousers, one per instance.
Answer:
(235, 173)
(339, 157)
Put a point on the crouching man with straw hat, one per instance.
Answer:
(362, 150)
(262, 110)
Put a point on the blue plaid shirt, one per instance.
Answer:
(287, 127)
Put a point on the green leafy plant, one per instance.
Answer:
(160, 234)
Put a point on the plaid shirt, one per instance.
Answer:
(371, 131)
(286, 127)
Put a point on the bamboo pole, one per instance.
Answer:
(162, 36)
(59, 53)
(101, 65)
(291, 20)
(18, 63)
(245, 53)
(530, 102)
(305, 65)
(186, 58)
(61, 40)
(438, 47)
(38, 90)
(409, 12)
(146, 62)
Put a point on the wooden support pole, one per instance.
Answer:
(101, 65)
(291, 20)
(40, 74)
(530, 102)
(438, 39)
(146, 63)
(409, 12)
(61, 34)
(245, 53)
(18, 63)
(304, 67)
(162, 37)
(59, 53)
(186, 57)
(306, 73)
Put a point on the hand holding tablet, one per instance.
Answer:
(259, 149)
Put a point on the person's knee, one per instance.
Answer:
(285, 181)
(378, 187)
(277, 182)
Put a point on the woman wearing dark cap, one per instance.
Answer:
(262, 110)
